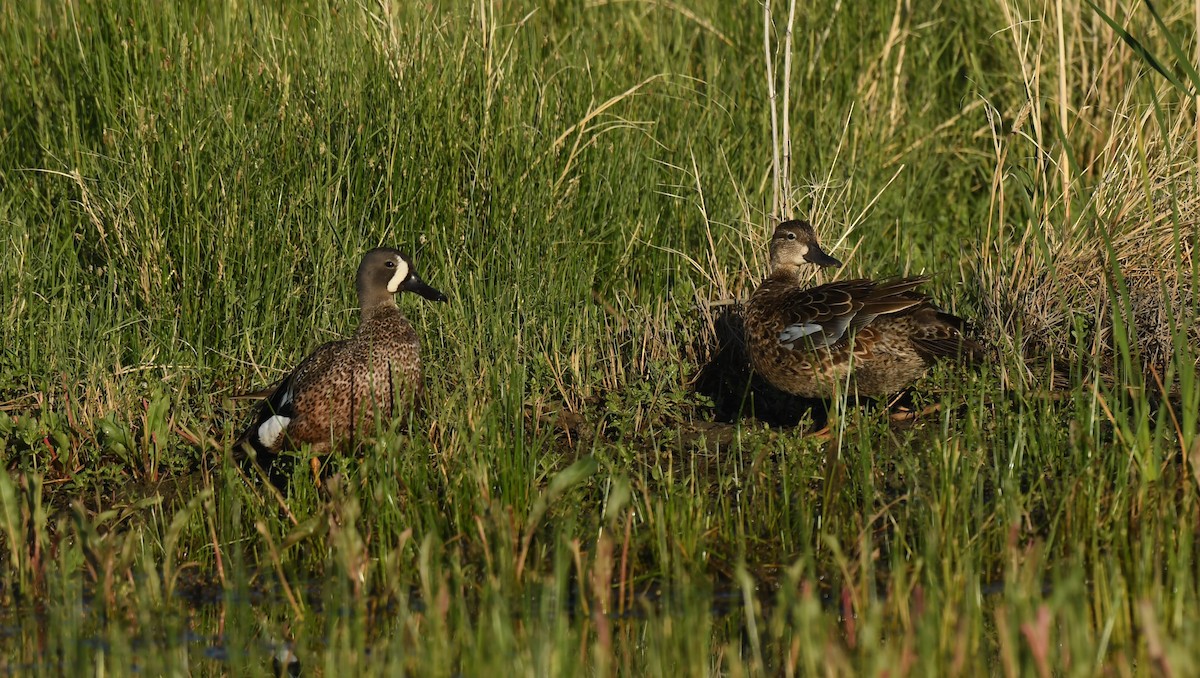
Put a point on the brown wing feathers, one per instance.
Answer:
(852, 305)
(887, 297)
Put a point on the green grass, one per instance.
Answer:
(185, 192)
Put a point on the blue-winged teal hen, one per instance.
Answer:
(334, 395)
(872, 338)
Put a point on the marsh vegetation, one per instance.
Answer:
(597, 485)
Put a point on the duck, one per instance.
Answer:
(865, 337)
(332, 398)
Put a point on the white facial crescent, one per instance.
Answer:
(400, 276)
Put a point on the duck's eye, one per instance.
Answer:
(791, 236)
(390, 264)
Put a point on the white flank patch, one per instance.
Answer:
(399, 277)
(270, 430)
(793, 332)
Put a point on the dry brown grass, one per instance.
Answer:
(1106, 268)
(1054, 292)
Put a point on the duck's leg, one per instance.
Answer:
(910, 415)
(316, 452)
(822, 433)
(831, 422)
(828, 427)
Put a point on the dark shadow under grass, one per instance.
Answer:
(736, 390)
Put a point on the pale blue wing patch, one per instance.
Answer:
(817, 335)
(791, 333)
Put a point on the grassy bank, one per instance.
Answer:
(185, 193)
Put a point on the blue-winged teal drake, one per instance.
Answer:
(872, 338)
(334, 395)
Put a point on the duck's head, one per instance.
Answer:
(385, 272)
(795, 243)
